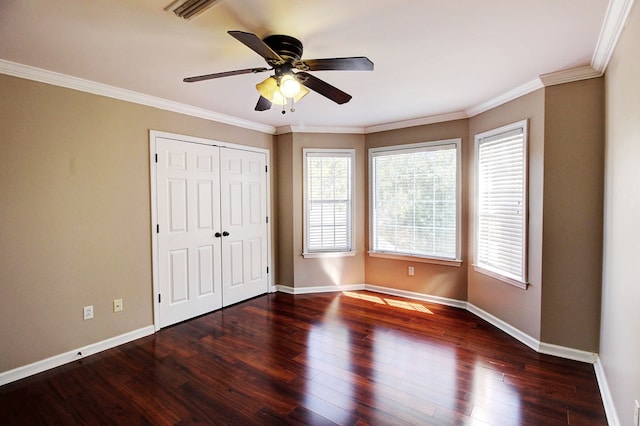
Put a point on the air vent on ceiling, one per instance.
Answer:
(188, 9)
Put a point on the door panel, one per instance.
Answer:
(188, 205)
(206, 270)
(243, 189)
(179, 275)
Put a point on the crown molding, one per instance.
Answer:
(415, 122)
(614, 22)
(49, 77)
(318, 129)
(511, 95)
(567, 76)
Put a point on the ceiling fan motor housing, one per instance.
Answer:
(289, 48)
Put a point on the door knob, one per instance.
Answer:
(218, 235)
(225, 234)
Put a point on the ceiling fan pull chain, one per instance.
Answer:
(293, 101)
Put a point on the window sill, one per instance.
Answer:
(321, 254)
(418, 259)
(497, 276)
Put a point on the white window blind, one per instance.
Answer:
(500, 240)
(328, 200)
(415, 200)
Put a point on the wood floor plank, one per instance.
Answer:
(351, 358)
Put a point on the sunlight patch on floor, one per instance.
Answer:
(410, 306)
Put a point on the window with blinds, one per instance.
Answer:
(328, 176)
(415, 200)
(501, 203)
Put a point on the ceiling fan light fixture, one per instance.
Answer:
(268, 89)
(301, 94)
(289, 86)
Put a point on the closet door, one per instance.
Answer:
(243, 193)
(188, 214)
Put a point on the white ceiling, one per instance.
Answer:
(432, 57)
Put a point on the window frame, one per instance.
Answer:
(520, 281)
(333, 252)
(418, 147)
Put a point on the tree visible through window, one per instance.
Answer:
(415, 200)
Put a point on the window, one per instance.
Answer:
(501, 203)
(328, 177)
(415, 200)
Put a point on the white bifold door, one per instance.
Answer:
(212, 233)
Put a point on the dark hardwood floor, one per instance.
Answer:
(351, 358)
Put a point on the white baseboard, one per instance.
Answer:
(504, 326)
(319, 289)
(605, 393)
(568, 353)
(417, 296)
(73, 355)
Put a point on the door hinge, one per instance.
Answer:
(157, 229)
(159, 298)
(267, 219)
(267, 269)
(266, 169)
(156, 157)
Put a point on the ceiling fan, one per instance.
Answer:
(290, 81)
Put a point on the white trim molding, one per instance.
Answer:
(417, 296)
(512, 331)
(605, 393)
(319, 129)
(432, 119)
(87, 86)
(319, 289)
(568, 353)
(503, 98)
(614, 22)
(73, 355)
(567, 76)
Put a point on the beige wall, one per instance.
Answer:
(428, 278)
(619, 342)
(561, 304)
(284, 171)
(76, 214)
(520, 308)
(75, 218)
(573, 200)
(319, 272)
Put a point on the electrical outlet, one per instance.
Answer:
(117, 305)
(88, 312)
(636, 413)
(411, 271)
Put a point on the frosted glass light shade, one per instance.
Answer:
(268, 89)
(303, 92)
(289, 86)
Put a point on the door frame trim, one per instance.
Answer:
(155, 134)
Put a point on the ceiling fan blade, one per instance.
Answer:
(322, 87)
(356, 63)
(224, 74)
(254, 43)
(263, 104)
